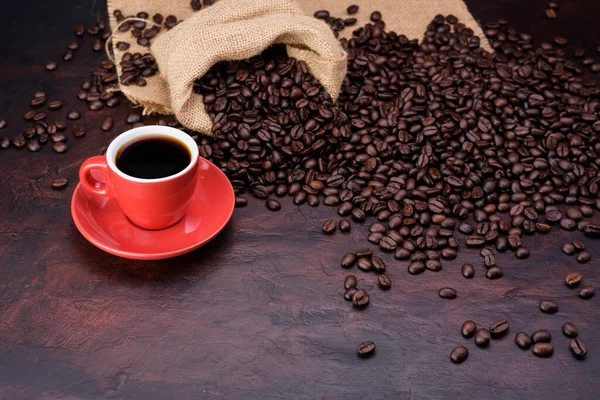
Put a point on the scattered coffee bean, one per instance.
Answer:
(468, 329)
(132, 118)
(482, 337)
(360, 299)
(385, 282)
(468, 271)
(51, 66)
(378, 264)
(60, 147)
(241, 201)
(568, 249)
(33, 145)
(583, 257)
(273, 205)
(569, 330)
(543, 349)
(350, 282)
(459, 354)
(73, 115)
(541, 336)
(344, 225)
(447, 293)
(573, 279)
(578, 347)
(548, 306)
(353, 9)
(59, 183)
(416, 267)
(494, 273)
(364, 264)
(550, 13)
(55, 105)
(107, 124)
(349, 293)
(348, 260)
(499, 328)
(587, 292)
(366, 349)
(523, 340)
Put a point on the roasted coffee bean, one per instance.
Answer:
(59, 183)
(433, 265)
(51, 66)
(468, 329)
(375, 16)
(550, 13)
(416, 267)
(448, 253)
(569, 330)
(543, 349)
(523, 340)
(344, 225)
(4, 142)
(107, 124)
(573, 279)
(384, 281)
(350, 282)
(348, 260)
(494, 273)
(79, 30)
(273, 205)
(33, 145)
(241, 201)
(541, 336)
(568, 249)
(578, 245)
(366, 349)
(592, 230)
(459, 354)
(583, 257)
(55, 105)
(375, 237)
(353, 9)
(475, 241)
(133, 118)
(499, 328)
(321, 14)
(522, 253)
(73, 115)
(482, 337)
(96, 105)
(468, 271)
(3, 123)
(78, 131)
(378, 264)
(368, 253)
(447, 293)
(349, 293)
(587, 292)
(402, 253)
(364, 264)
(578, 347)
(329, 226)
(60, 147)
(548, 306)
(360, 299)
(568, 224)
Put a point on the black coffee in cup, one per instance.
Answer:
(153, 157)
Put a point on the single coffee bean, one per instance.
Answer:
(33, 145)
(364, 264)
(366, 349)
(499, 328)
(568, 224)
(494, 273)
(468, 271)
(51, 66)
(348, 260)
(55, 105)
(378, 264)
(568, 249)
(569, 330)
(273, 205)
(592, 230)
(416, 267)
(107, 124)
(468, 329)
(447, 293)
(59, 183)
(349, 293)
(578, 347)
(550, 13)
(350, 282)
(133, 118)
(573, 279)
(401, 253)
(543, 349)
(385, 282)
(60, 147)
(583, 257)
(541, 336)
(353, 9)
(375, 16)
(587, 292)
(548, 306)
(321, 14)
(433, 265)
(241, 201)
(360, 299)
(482, 337)
(96, 105)
(3, 123)
(578, 245)
(73, 115)
(459, 354)
(523, 340)
(329, 226)
(79, 30)
(344, 225)
(368, 253)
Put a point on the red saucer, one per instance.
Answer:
(102, 223)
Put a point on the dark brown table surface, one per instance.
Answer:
(258, 312)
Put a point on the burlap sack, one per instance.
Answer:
(239, 29)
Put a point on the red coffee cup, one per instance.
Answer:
(148, 203)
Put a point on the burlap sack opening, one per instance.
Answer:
(240, 29)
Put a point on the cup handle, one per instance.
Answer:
(87, 180)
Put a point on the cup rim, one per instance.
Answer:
(151, 130)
